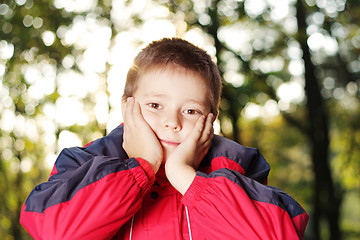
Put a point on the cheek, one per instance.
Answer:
(150, 118)
(188, 126)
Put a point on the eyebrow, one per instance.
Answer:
(155, 94)
(196, 102)
(161, 95)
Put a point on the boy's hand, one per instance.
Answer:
(182, 163)
(139, 139)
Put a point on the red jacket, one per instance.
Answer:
(97, 192)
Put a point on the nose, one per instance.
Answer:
(172, 122)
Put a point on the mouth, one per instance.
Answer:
(169, 143)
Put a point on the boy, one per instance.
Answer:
(163, 174)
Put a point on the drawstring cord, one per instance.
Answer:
(188, 222)
(187, 218)
(131, 227)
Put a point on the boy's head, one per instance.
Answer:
(176, 53)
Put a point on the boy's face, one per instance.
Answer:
(171, 101)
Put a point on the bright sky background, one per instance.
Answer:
(93, 36)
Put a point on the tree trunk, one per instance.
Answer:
(326, 203)
(213, 29)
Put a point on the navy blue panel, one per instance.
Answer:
(259, 192)
(250, 159)
(110, 145)
(78, 167)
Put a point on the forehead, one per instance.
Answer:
(173, 81)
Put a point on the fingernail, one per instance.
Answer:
(129, 99)
(211, 116)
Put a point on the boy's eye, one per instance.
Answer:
(154, 105)
(191, 111)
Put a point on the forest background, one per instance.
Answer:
(291, 73)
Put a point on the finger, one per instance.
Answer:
(208, 131)
(123, 107)
(127, 118)
(199, 127)
(137, 112)
(139, 118)
(208, 141)
(129, 106)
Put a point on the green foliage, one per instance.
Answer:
(345, 146)
(22, 142)
(287, 154)
(257, 54)
(258, 39)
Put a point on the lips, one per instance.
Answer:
(169, 143)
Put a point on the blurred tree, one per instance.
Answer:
(326, 199)
(58, 86)
(33, 53)
(262, 47)
(297, 58)
(26, 26)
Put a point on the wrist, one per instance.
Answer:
(180, 175)
(155, 166)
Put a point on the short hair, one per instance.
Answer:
(176, 52)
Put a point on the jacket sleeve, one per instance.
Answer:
(231, 201)
(92, 192)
